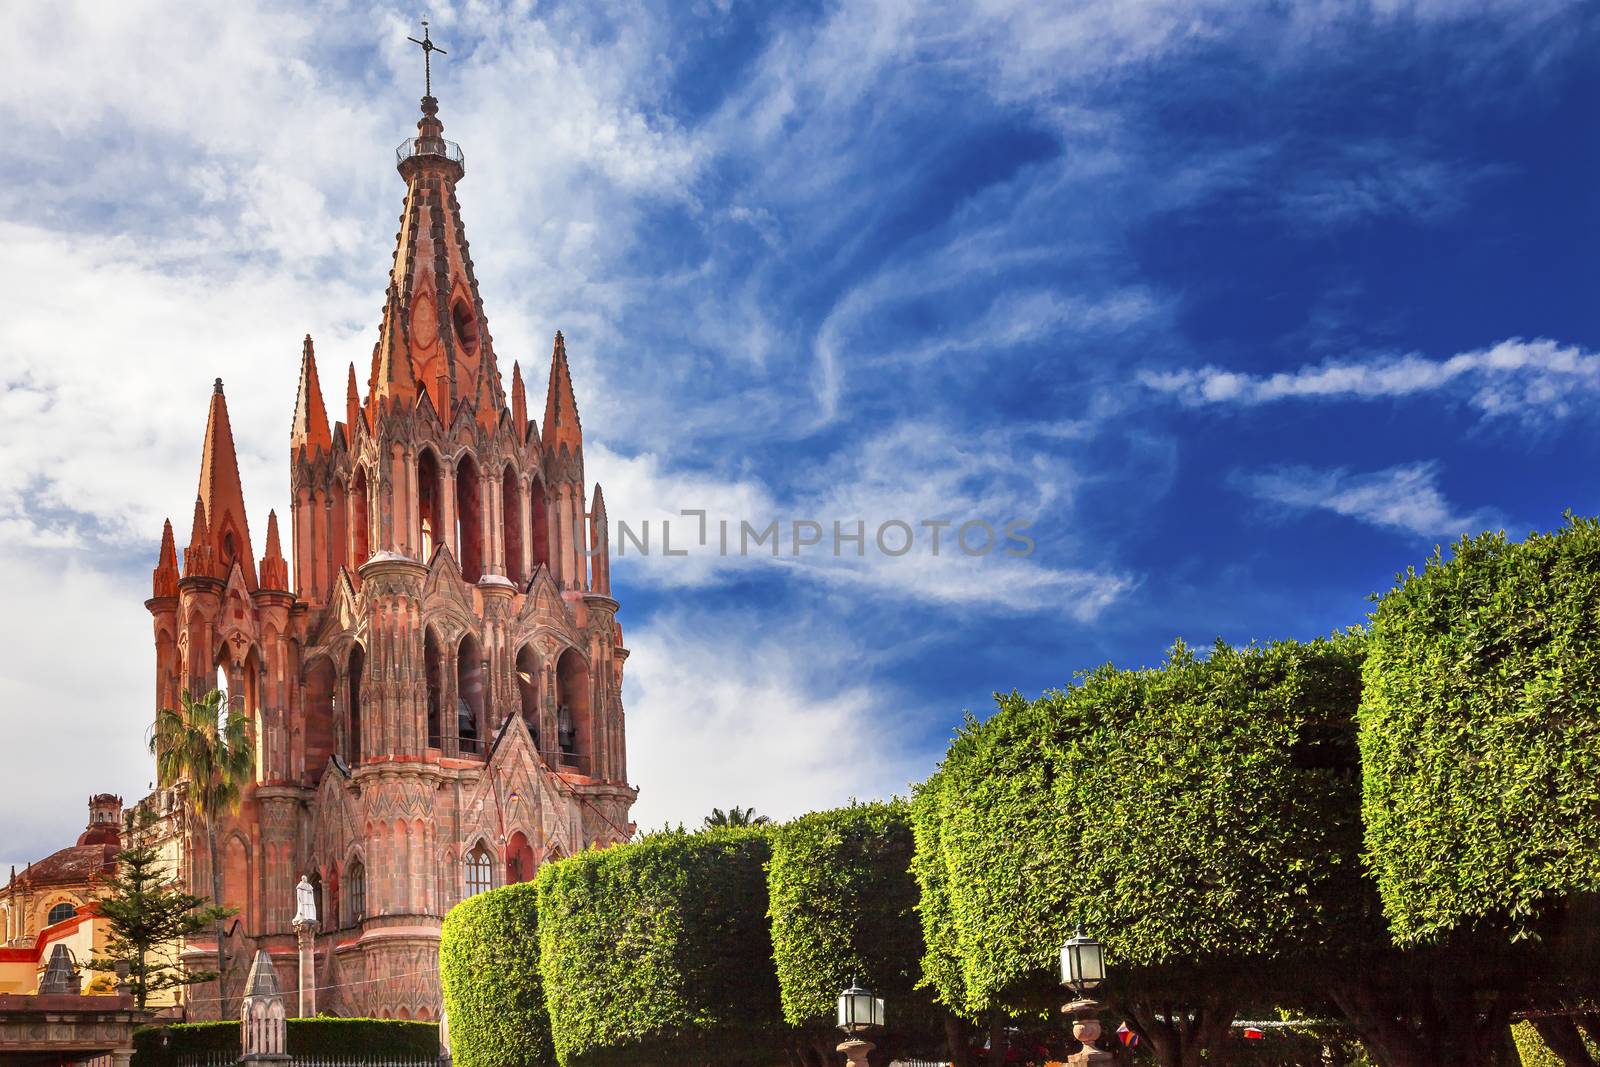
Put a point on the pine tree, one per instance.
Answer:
(148, 916)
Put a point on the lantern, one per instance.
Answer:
(1083, 963)
(859, 1010)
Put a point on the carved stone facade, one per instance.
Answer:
(438, 690)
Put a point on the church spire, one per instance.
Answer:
(434, 337)
(274, 568)
(221, 494)
(561, 426)
(352, 407)
(310, 432)
(199, 558)
(164, 582)
(519, 403)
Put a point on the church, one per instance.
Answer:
(436, 685)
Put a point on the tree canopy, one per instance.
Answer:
(659, 952)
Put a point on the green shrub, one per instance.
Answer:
(659, 952)
(493, 992)
(941, 961)
(843, 907)
(1200, 819)
(372, 1039)
(1480, 734)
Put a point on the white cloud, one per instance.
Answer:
(781, 715)
(1406, 498)
(75, 684)
(891, 485)
(1531, 380)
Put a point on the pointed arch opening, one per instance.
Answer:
(358, 663)
(429, 497)
(479, 870)
(528, 689)
(470, 727)
(320, 682)
(539, 524)
(573, 728)
(469, 518)
(466, 325)
(360, 520)
(519, 859)
(433, 667)
(511, 523)
(355, 892)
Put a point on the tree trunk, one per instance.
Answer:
(1181, 1037)
(216, 900)
(1560, 1035)
(1426, 1022)
(955, 1036)
(997, 1040)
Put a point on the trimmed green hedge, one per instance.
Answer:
(843, 907)
(373, 1039)
(493, 992)
(1480, 733)
(1200, 818)
(659, 953)
(941, 960)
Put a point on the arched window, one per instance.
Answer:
(538, 524)
(470, 727)
(61, 912)
(360, 520)
(319, 717)
(433, 667)
(519, 859)
(355, 891)
(469, 519)
(466, 324)
(358, 660)
(511, 524)
(428, 501)
(479, 868)
(528, 689)
(572, 712)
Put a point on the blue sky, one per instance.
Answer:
(1244, 307)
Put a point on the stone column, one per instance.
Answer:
(305, 933)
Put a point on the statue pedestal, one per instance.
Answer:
(856, 1050)
(1086, 1028)
(305, 933)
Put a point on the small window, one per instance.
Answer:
(61, 912)
(479, 880)
(355, 891)
(466, 324)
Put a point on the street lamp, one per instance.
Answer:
(1083, 969)
(1083, 963)
(859, 1012)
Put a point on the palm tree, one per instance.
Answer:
(734, 816)
(215, 751)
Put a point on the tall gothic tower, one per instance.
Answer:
(437, 691)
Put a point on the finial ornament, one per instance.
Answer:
(428, 48)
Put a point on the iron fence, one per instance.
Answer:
(225, 1059)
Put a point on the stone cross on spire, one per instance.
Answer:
(428, 48)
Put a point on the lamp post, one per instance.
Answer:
(859, 1013)
(1083, 968)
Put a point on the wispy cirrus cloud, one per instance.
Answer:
(1405, 498)
(1537, 379)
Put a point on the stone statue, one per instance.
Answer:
(305, 898)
